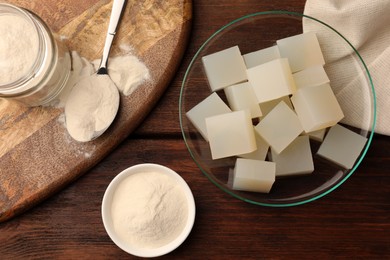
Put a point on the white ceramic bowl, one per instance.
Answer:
(108, 221)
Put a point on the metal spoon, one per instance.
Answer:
(94, 82)
(116, 14)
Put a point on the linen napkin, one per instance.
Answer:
(366, 25)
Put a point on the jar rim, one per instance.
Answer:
(9, 9)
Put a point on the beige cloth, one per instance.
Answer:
(366, 24)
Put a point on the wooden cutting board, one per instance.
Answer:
(37, 156)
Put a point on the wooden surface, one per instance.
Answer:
(351, 222)
(37, 155)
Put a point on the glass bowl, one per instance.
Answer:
(261, 30)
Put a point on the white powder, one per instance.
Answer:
(127, 71)
(88, 109)
(18, 47)
(91, 107)
(81, 68)
(149, 210)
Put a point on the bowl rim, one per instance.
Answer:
(106, 215)
(373, 97)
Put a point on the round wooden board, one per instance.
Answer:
(37, 155)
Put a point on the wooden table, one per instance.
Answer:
(353, 221)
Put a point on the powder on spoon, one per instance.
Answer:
(85, 111)
(91, 107)
(149, 210)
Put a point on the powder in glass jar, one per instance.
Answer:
(18, 47)
(149, 210)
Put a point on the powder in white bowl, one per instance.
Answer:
(148, 210)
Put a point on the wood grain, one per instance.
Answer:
(37, 156)
(352, 222)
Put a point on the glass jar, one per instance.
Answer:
(36, 75)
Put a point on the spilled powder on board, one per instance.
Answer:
(127, 72)
(88, 114)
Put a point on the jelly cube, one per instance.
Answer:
(342, 146)
(296, 159)
(259, 57)
(230, 134)
(280, 127)
(311, 76)
(317, 135)
(210, 106)
(253, 175)
(271, 80)
(317, 107)
(302, 51)
(266, 107)
(241, 96)
(224, 68)
(261, 152)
